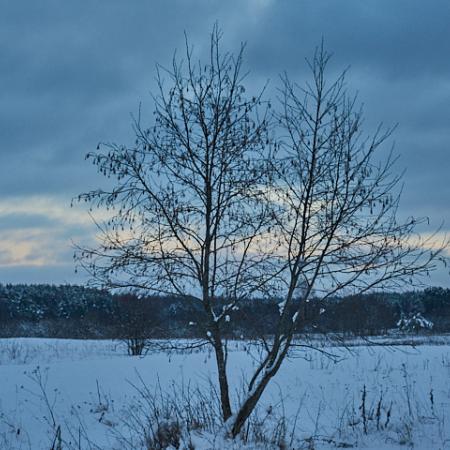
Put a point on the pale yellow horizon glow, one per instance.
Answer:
(41, 245)
(44, 245)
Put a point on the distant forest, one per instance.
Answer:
(71, 311)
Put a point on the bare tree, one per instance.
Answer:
(339, 232)
(206, 205)
(188, 211)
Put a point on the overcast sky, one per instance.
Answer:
(72, 72)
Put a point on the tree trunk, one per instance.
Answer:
(249, 405)
(255, 394)
(223, 381)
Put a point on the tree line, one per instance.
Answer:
(73, 311)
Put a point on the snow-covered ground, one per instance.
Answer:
(99, 398)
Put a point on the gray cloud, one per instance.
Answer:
(397, 40)
(15, 221)
(54, 274)
(71, 73)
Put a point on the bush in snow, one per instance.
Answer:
(414, 323)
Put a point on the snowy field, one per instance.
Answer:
(90, 395)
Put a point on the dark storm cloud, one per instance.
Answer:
(72, 72)
(402, 39)
(70, 75)
(398, 65)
